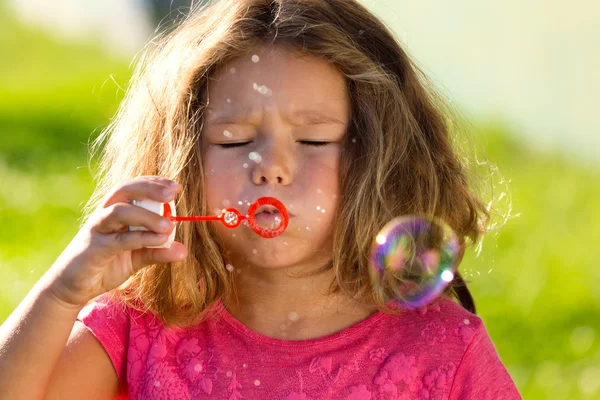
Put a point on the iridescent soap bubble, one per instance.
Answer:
(413, 258)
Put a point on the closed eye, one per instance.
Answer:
(305, 142)
(229, 145)
(310, 143)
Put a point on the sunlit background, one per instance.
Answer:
(526, 75)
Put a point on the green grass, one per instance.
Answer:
(541, 301)
(53, 99)
(535, 281)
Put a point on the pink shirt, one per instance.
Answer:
(438, 352)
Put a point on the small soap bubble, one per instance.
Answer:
(262, 89)
(257, 383)
(228, 100)
(308, 228)
(227, 134)
(254, 251)
(353, 140)
(225, 203)
(293, 316)
(254, 85)
(255, 58)
(230, 218)
(245, 165)
(319, 191)
(232, 70)
(229, 373)
(240, 203)
(254, 156)
(413, 259)
(323, 210)
(318, 207)
(466, 321)
(229, 267)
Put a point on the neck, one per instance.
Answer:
(279, 304)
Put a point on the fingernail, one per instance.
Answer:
(165, 224)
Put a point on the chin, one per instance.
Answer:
(274, 258)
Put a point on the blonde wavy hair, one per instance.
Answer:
(403, 160)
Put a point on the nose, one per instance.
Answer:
(275, 165)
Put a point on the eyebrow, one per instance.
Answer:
(246, 115)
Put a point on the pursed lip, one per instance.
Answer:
(270, 208)
(289, 214)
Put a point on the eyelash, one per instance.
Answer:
(308, 142)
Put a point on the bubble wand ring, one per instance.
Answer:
(231, 217)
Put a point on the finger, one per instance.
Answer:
(153, 188)
(119, 242)
(119, 216)
(143, 257)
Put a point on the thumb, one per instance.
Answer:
(147, 256)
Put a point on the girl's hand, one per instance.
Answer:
(104, 254)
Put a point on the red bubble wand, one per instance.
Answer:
(231, 217)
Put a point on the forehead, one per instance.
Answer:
(273, 76)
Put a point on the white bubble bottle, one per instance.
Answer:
(158, 208)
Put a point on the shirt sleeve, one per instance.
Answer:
(109, 322)
(481, 374)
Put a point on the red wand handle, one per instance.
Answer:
(231, 217)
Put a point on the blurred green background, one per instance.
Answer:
(535, 281)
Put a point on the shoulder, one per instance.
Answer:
(419, 351)
(436, 336)
(442, 321)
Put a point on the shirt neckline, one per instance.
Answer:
(348, 332)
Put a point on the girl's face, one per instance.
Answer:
(274, 127)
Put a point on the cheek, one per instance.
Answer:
(322, 192)
(322, 175)
(220, 182)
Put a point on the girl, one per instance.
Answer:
(312, 102)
